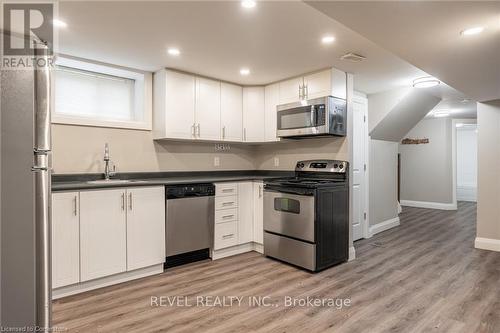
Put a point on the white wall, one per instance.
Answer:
(427, 169)
(383, 181)
(467, 163)
(488, 181)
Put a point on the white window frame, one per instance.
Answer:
(142, 96)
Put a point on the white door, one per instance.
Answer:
(231, 112)
(359, 190)
(253, 114)
(207, 115)
(467, 163)
(271, 101)
(179, 105)
(103, 233)
(65, 239)
(290, 90)
(245, 213)
(145, 226)
(258, 212)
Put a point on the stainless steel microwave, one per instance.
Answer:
(325, 116)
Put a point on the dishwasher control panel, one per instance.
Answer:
(190, 190)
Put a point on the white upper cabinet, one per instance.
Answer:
(330, 82)
(271, 101)
(231, 112)
(173, 105)
(65, 239)
(253, 114)
(290, 90)
(145, 226)
(207, 109)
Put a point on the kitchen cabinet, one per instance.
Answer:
(323, 83)
(253, 114)
(173, 105)
(258, 212)
(245, 221)
(145, 226)
(231, 112)
(103, 228)
(207, 109)
(271, 96)
(65, 239)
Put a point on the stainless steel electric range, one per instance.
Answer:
(306, 217)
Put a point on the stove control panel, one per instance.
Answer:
(332, 166)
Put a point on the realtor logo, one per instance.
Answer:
(27, 19)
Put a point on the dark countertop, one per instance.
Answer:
(66, 182)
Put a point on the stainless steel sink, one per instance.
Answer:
(110, 181)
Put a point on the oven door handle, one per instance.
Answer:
(279, 189)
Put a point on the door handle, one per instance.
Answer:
(75, 205)
(130, 201)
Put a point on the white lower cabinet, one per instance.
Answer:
(103, 233)
(238, 224)
(99, 233)
(145, 227)
(65, 239)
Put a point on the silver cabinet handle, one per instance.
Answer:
(300, 91)
(193, 131)
(130, 201)
(123, 201)
(227, 216)
(227, 236)
(75, 205)
(198, 130)
(260, 191)
(223, 132)
(306, 91)
(244, 134)
(228, 203)
(227, 190)
(39, 168)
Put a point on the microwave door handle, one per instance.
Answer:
(313, 116)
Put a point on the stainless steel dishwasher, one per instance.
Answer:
(189, 223)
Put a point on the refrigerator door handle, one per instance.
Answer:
(42, 180)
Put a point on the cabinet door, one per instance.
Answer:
(258, 212)
(231, 112)
(271, 101)
(145, 226)
(253, 114)
(207, 115)
(179, 105)
(65, 239)
(103, 228)
(245, 214)
(289, 90)
(318, 84)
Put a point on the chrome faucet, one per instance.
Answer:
(107, 169)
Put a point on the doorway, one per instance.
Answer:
(466, 187)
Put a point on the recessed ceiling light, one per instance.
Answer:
(244, 71)
(426, 82)
(441, 114)
(327, 39)
(173, 51)
(248, 3)
(59, 23)
(465, 100)
(472, 31)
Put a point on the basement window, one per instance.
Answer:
(89, 94)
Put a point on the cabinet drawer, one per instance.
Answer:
(226, 215)
(225, 189)
(226, 202)
(226, 235)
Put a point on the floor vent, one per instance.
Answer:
(186, 258)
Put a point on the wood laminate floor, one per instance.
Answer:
(423, 276)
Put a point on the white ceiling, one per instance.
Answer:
(427, 35)
(276, 40)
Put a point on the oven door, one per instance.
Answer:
(290, 215)
(298, 120)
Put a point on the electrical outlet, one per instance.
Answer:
(216, 161)
(276, 161)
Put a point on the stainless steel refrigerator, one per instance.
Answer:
(25, 266)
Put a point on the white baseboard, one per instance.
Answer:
(352, 253)
(237, 249)
(383, 226)
(487, 244)
(106, 281)
(430, 205)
